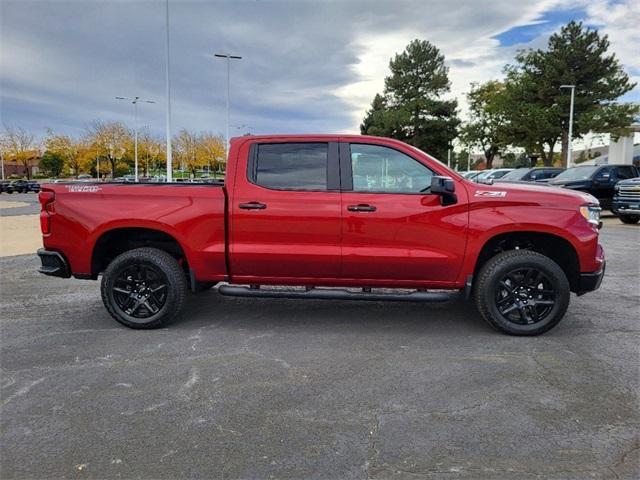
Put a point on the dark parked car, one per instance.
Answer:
(6, 187)
(25, 186)
(536, 174)
(598, 180)
(626, 202)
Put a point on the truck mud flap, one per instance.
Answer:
(332, 294)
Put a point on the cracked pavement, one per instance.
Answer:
(241, 388)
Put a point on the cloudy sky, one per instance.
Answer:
(308, 66)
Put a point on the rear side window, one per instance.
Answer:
(291, 166)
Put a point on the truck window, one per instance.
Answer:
(292, 166)
(385, 170)
(626, 172)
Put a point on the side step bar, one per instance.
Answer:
(332, 294)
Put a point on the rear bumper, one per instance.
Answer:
(590, 281)
(53, 264)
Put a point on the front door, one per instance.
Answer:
(393, 228)
(285, 213)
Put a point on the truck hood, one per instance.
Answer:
(570, 183)
(529, 194)
(630, 182)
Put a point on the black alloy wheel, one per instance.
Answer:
(144, 288)
(140, 290)
(525, 296)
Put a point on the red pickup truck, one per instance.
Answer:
(327, 217)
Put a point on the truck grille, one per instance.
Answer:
(631, 192)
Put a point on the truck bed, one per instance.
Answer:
(88, 214)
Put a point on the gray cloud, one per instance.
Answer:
(307, 66)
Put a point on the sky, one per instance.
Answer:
(307, 66)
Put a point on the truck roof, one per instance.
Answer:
(311, 135)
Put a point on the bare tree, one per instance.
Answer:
(19, 145)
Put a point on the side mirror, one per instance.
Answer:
(445, 187)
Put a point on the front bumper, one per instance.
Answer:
(53, 264)
(589, 282)
(625, 207)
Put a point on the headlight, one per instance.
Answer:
(591, 213)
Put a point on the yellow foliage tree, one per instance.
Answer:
(213, 150)
(189, 152)
(67, 149)
(111, 140)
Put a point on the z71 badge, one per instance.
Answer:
(490, 193)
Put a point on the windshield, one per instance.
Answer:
(518, 174)
(576, 173)
(484, 174)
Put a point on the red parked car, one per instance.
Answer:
(341, 216)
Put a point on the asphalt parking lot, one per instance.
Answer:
(244, 388)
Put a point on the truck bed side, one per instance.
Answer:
(91, 217)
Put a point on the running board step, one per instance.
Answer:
(332, 294)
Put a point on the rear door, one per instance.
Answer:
(394, 230)
(285, 212)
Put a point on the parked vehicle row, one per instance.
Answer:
(597, 180)
(535, 174)
(19, 186)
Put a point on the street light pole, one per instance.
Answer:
(168, 84)
(569, 145)
(229, 58)
(135, 101)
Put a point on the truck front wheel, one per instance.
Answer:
(144, 288)
(521, 292)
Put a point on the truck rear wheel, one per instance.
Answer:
(521, 292)
(144, 288)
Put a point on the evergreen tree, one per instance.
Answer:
(538, 109)
(412, 108)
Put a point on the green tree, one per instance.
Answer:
(412, 108)
(52, 163)
(537, 108)
(486, 126)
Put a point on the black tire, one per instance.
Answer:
(521, 292)
(631, 219)
(149, 280)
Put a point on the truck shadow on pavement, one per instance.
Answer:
(456, 315)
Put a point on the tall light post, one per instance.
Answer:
(135, 101)
(168, 84)
(229, 58)
(573, 89)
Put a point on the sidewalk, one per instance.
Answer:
(19, 235)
